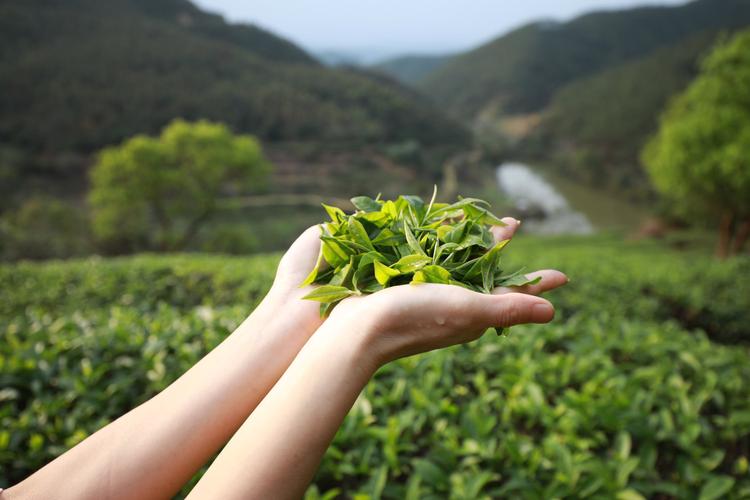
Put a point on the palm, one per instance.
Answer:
(435, 314)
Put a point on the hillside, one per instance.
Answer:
(595, 127)
(411, 69)
(519, 72)
(81, 74)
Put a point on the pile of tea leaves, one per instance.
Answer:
(394, 242)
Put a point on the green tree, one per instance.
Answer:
(156, 193)
(700, 157)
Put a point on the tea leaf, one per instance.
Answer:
(365, 203)
(314, 273)
(432, 274)
(411, 263)
(383, 273)
(413, 242)
(329, 293)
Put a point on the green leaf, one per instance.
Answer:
(370, 257)
(415, 201)
(482, 215)
(517, 280)
(411, 263)
(343, 275)
(335, 213)
(432, 202)
(412, 241)
(488, 272)
(383, 273)
(366, 204)
(629, 494)
(458, 206)
(314, 273)
(716, 487)
(334, 251)
(443, 231)
(359, 234)
(329, 293)
(378, 219)
(622, 445)
(432, 274)
(386, 237)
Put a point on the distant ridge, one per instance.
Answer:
(411, 69)
(519, 72)
(76, 75)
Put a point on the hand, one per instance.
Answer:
(284, 303)
(272, 455)
(409, 319)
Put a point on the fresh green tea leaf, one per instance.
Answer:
(411, 241)
(366, 204)
(329, 293)
(383, 273)
(432, 274)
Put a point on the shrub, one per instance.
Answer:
(617, 398)
(44, 228)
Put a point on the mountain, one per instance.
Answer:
(595, 127)
(81, 74)
(518, 73)
(411, 69)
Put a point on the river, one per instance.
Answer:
(547, 210)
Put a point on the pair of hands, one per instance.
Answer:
(409, 319)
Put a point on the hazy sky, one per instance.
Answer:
(398, 26)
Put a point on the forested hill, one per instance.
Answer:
(520, 71)
(595, 127)
(410, 69)
(80, 74)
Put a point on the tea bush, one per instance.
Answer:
(623, 395)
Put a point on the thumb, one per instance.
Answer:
(301, 257)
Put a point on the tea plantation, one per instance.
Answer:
(639, 388)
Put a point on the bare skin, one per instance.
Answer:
(281, 366)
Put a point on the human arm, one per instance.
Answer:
(154, 449)
(277, 450)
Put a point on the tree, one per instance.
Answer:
(156, 193)
(700, 157)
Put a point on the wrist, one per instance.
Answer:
(351, 331)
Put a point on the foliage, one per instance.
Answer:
(157, 192)
(83, 74)
(231, 239)
(618, 396)
(595, 127)
(393, 242)
(520, 71)
(699, 159)
(44, 228)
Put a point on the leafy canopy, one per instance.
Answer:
(393, 242)
(157, 192)
(700, 157)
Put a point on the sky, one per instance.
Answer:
(383, 28)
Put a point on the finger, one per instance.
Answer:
(506, 232)
(302, 254)
(480, 311)
(518, 308)
(550, 279)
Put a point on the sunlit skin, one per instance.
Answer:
(279, 386)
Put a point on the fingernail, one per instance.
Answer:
(542, 313)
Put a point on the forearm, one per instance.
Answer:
(154, 449)
(278, 449)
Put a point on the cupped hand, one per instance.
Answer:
(409, 319)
